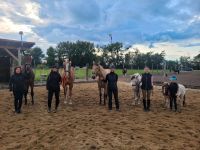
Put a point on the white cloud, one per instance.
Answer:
(173, 50)
(8, 26)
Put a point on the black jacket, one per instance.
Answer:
(112, 79)
(146, 81)
(17, 83)
(173, 88)
(53, 81)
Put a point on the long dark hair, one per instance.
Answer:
(17, 68)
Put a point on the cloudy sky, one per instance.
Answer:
(149, 25)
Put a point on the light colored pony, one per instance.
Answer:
(181, 95)
(165, 92)
(136, 84)
(67, 82)
(100, 72)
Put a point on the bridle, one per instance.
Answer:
(137, 83)
(97, 72)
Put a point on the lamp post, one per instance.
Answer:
(21, 48)
(110, 35)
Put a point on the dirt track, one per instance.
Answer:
(86, 125)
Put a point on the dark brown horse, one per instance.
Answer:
(29, 82)
(100, 72)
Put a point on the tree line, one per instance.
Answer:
(83, 53)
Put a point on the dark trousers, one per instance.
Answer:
(18, 96)
(146, 99)
(50, 97)
(115, 93)
(173, 100)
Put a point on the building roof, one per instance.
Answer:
(14, 44)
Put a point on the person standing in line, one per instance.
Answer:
(112, 79)
(53, 87)
(173, 88)
(147, 87)
(17, 86)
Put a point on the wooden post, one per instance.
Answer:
(87, 71)
(11, 54)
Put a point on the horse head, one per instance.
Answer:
(28, 69)
(96, 71)
(165, 88)
(135, 79)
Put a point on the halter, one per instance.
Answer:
(137, 83)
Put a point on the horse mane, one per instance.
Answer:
(104, 71)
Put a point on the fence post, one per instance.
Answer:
(87, 71)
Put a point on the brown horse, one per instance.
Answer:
(67, 82)
(29, 82)
(100, 72)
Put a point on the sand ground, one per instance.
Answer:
(86, 125)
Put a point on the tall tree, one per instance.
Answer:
(51, 55)
(80, 52)
(185, 61)
(196, 62)
(37, 55)
(111, 53)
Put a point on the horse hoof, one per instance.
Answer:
(65, 102)
(70, 103)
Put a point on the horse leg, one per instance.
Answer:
(134, 97)
(32, 94)
(138, 98)
(70, 95)
(105, 96)
(65, 94)
(25, 98)
(100, 95)
(184, 103)
(165, 101)
(25, 95)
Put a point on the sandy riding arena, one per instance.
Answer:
(86, 125)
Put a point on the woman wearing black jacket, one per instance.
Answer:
(147, 87)
(53, 87)
(17, 86)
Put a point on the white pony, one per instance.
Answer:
(180, 95)
(136, 84)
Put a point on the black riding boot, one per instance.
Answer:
(148, 105)
(144, 104)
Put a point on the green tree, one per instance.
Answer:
(112, 54)
(196, 62)
(37, 55)
(51, 55)
(80, 52)
(185, 61)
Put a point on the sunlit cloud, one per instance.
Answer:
(155, 25)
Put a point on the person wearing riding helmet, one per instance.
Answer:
(147, 87)
(173, 88)
(53, 87)
(112, 79)
(17, 86)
